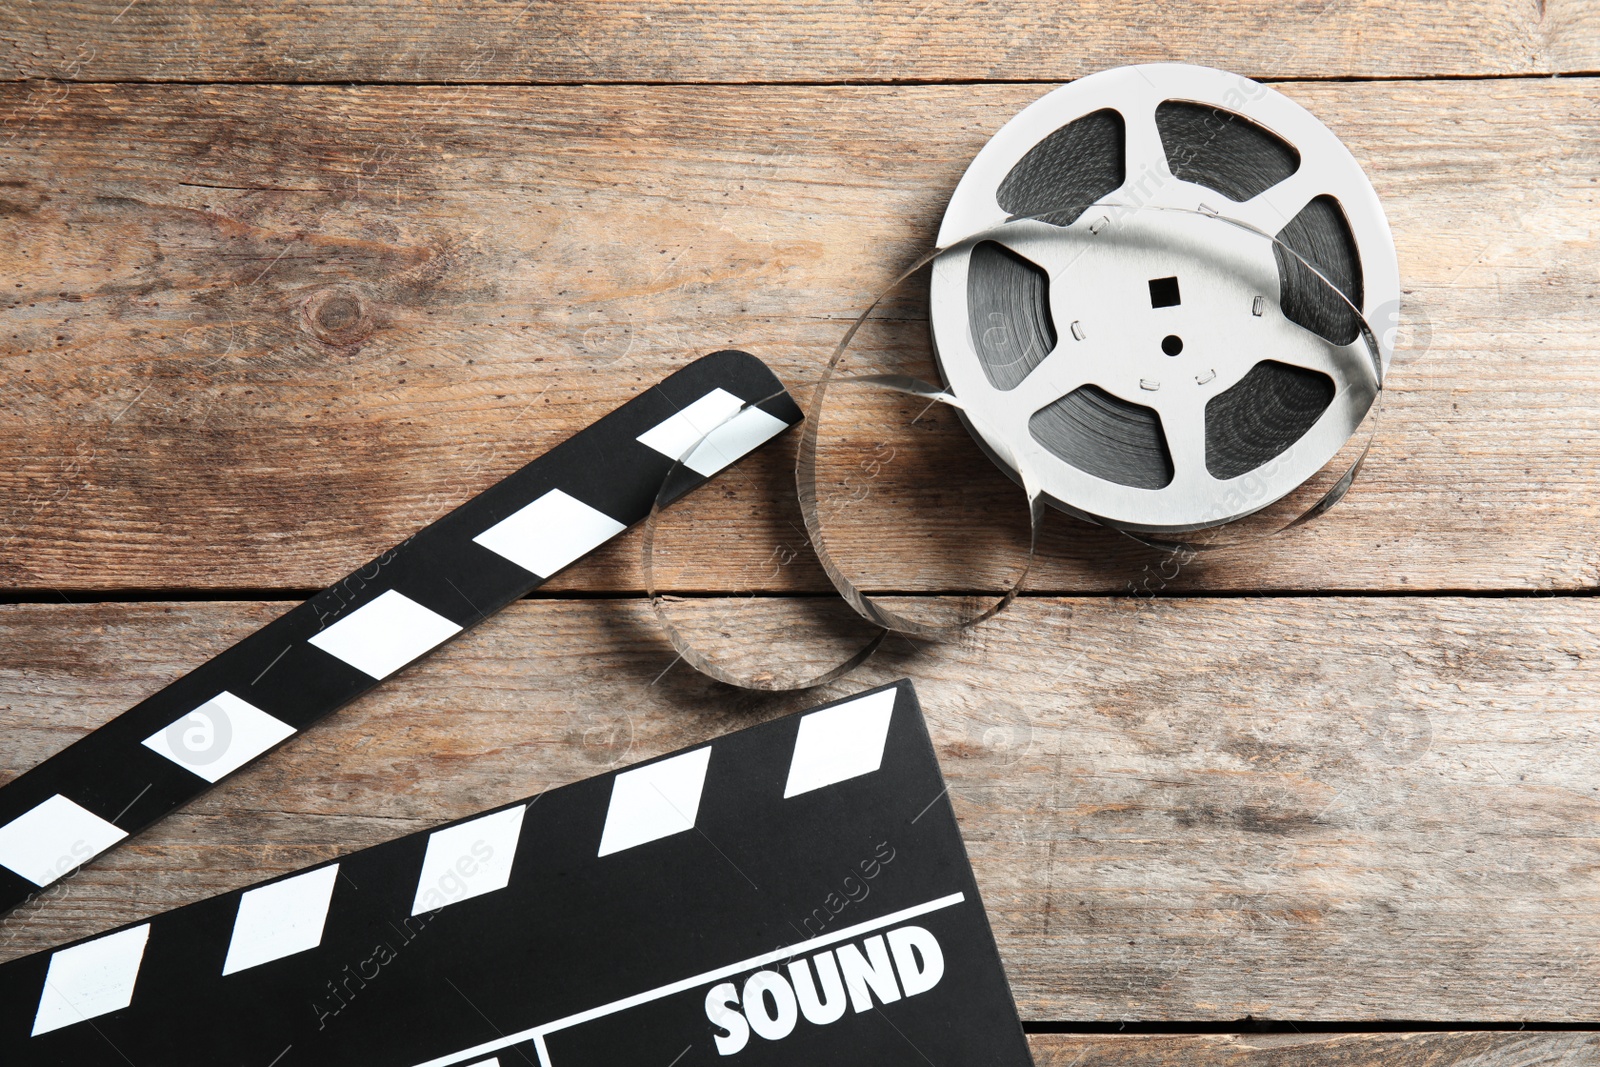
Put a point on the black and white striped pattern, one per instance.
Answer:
(400, 606)
(595, 924)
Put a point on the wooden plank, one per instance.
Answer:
(1202, 809)
(832, 40)
(257, 335)
(1345, 1050)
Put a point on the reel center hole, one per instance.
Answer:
(1164, 293)
(1172, 344)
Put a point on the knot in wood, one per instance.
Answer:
(338, 316)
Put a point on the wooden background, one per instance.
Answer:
(283, 282)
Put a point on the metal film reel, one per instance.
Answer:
(1137, 305)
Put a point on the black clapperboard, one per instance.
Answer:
(435, 585)
(794, 893)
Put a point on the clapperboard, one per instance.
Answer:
(439, 582)
(794, 893)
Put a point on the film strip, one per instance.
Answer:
(438, 583)
(1163, 300)
(794, 893)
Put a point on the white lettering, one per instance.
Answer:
(821, 987)
(908, 943)
(720, 1010)
(780, 1023)
(831, 1005)
(864, 976)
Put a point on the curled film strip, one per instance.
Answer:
(439, 582)
(797, 892)
(1152, 305)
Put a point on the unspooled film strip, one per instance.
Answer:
(795, 893)
(398, 607)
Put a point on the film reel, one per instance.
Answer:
(1152, 305)
(1163, 373)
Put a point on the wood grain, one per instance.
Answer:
(254, 334)
(1346, 809)
(257, 335)
(823, 40)
(1322, 1050)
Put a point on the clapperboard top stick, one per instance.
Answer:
(794, 893)
(439, 582)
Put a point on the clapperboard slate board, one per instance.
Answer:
(796, 893)
(433, 586)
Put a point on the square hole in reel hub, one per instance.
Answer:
(1164, 293)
